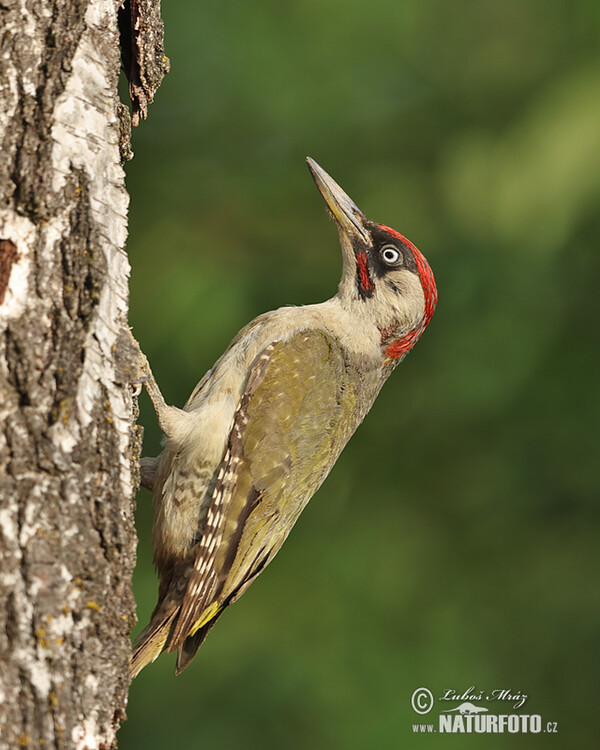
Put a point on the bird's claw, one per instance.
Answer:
(138, 385)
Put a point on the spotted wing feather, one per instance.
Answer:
(297, 413)
(203, 579)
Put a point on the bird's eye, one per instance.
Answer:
(390, 255)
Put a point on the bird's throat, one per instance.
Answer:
(399, 347)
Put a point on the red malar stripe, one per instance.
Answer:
(364, 279)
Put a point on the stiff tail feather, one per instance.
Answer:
(151, 642)
(192, 643)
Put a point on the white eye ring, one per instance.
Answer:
(390, 254)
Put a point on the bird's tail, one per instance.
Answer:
(187, 650)
(152, 640)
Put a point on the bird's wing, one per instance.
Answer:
(294, 418)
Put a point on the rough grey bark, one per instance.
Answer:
(144, 59)
(68, 441)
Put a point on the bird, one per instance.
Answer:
(263, 428)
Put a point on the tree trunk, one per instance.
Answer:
(68, 441)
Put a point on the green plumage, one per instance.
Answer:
(299, 419)
(297, 413)
(303, 399)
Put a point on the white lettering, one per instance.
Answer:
(506, 695)
(489, 723)
(513, 723)
(445, 723)
(481, 724)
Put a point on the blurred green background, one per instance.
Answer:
(456, 541)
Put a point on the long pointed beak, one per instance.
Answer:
(347, 214)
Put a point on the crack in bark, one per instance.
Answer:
(8, 256)
(143, 52)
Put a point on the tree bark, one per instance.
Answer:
(68, 441)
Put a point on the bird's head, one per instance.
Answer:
(385, 278)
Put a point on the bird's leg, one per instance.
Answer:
(172, 421)
(158, 400)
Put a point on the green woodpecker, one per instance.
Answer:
(263, 428)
